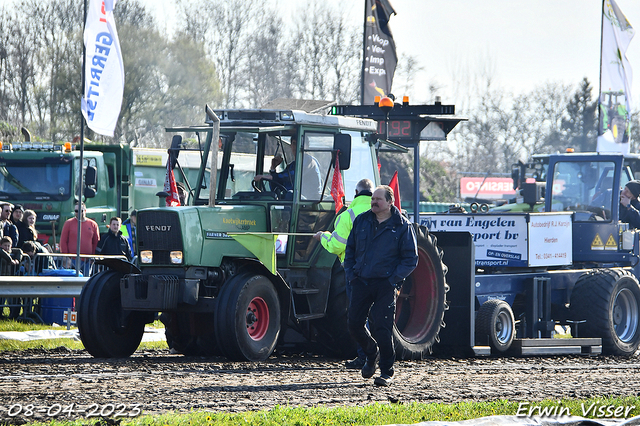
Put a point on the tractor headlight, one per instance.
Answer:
(146, 256)
(176, 257)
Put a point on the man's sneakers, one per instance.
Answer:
(369, 367)
(383, 380)
(355, 364)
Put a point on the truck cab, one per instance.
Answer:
(44, 178)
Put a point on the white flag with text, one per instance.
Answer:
(615, 80)
(104, 70)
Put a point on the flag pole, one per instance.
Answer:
(364, 53)
(600, 130)
(81, 188)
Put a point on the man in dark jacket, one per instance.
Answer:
(113, 242)
(8, 228)
(629, 204)
(381, 252)
(16, 219)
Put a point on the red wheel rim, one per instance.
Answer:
(257, 318)
(421, 300)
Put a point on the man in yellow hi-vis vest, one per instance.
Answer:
(336, 242)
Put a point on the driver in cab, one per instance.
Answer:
(286, 178)
(629, 204)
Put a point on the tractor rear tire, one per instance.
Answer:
(609, 301)
(248, 318)
(178, 333)
(495, 320)
(422, 301)
(332, 331)
(105, 329)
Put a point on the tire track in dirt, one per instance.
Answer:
(160, 382)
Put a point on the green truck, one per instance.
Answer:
(238, 270)
(45, 177)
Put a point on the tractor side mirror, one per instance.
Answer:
(90, 175)
(89, 192)
(342, 143)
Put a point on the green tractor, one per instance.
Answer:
(237, 271)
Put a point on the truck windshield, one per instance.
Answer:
(585, 186)
(32, 180)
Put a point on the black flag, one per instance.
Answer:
(379, 58)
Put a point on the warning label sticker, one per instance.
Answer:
(597, 243)
(611, 243)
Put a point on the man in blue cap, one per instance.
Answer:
(629, 204)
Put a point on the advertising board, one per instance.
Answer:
(516, 240)
(492, 188)
(550, 239)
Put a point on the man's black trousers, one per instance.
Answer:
(376, 299)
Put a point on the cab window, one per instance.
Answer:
(316, 161)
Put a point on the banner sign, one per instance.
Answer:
(550, 239)
(500, 240)
(489, 188)
(379, 57)
(615, 80)
(533, 239)
(104, 70)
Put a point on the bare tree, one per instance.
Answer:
(405, 76)
(23, 45)
(329, 54)
(266, 67)
(227, 33)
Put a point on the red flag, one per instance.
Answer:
(337, 187)
(396, 190)
(170, 187)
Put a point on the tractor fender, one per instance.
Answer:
(121, 265)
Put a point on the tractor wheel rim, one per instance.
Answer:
(422, 300)
(625, 315)
(257, 318)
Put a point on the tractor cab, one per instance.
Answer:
(589, 186)
(292, 193)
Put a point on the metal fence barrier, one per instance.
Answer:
(47, 275)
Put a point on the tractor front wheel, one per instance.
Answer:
(247, 323)
(106, 330)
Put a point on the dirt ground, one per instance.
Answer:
(40, 384)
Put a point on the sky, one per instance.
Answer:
(522, 44)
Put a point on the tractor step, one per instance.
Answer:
(306, 317)
(578, 346)
(296, 290)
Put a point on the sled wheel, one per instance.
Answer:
(495, 320)
(332, 331)
(105, 329)
(609, 301)
(247, 323)
(422, 301)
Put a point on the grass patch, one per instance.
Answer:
(377, 414)
(16, 345)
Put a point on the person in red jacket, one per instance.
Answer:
(90, 235)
